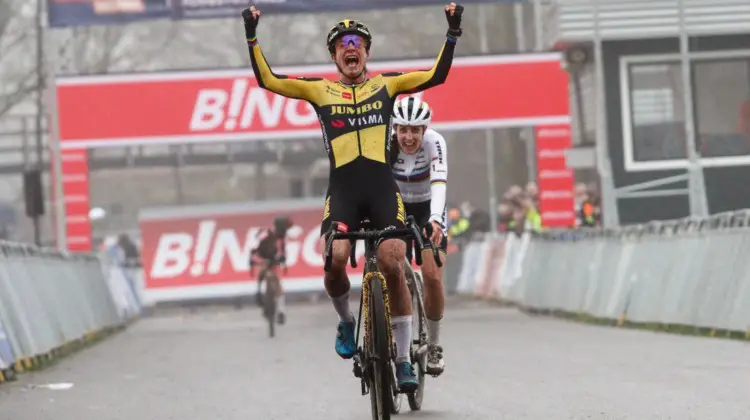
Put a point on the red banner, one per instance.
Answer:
(205, 250)
(75, 185)
(481, 92)
(554, 179)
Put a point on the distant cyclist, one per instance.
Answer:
(420, 165)
(355, 117)
(271, 249)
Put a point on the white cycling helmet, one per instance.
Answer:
(411, 111)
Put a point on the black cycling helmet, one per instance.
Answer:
(281, 224)
(346, 27)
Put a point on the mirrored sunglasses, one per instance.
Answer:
(355, 40)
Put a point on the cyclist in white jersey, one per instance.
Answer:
(419, 163)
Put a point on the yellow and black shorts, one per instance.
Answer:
(378, 200)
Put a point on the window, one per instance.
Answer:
(296, 188)
(656, 112)
(722, 91)
(653, 110)
(319, 186)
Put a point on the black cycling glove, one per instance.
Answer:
(454, 22)
(251, 23)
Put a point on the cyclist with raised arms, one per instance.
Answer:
(420, 166)
(355, 117)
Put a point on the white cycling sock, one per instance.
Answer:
(281, 304)
(433, 331)
(341, 304)
(402, 335)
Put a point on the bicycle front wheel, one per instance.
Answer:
(380, 376)
(418, 329)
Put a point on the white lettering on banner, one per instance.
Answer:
(76, 199)
(548, 132)
(552, 174)
(203, 244)
(210, 113)
(551, 153)
(228, 245)
(293, 246)
(73, 178)
(309, 253)
(171, 255)
(558, 215)
(73, 156)
(269, 113)
(177, 253)
(555, 194)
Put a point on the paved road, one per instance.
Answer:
(218, 364)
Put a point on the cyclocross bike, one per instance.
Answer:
(373, 361)
(273, 289)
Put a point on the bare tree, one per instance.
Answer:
(121, 48)
(16, 36)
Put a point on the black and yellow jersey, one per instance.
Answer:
(355, 119)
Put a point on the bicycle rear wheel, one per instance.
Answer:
(380, 373)
(418, 328)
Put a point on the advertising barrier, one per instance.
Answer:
(51, 302)
(200, 252)
(63, 13)
(682, 275)
(203, 252)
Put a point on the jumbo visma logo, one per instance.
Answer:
(356, 110)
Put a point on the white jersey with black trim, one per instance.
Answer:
(423, 176)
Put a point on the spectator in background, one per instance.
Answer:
(458, 227)
(533, 192)
(580, 195)
(479, 222)
(587, 206)
(130, 252)
(505, 215)
(524, 215)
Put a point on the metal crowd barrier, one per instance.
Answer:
(687, 275)
(52, 303)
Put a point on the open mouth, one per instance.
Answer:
(408, 145)
(351, 60)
